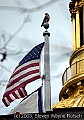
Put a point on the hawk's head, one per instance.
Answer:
(46, 14)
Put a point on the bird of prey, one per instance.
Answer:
(46, 19)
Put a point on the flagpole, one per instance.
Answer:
(47, 86)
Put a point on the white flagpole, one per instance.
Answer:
(47, 86)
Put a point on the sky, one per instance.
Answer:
(20, 31)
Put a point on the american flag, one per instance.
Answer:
(26, 72)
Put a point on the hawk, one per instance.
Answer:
(46, 19)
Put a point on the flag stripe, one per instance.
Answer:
(20, 77)
(23, 80)
(23, 93)
(19, 70)
(29, 66)
(26, 64)
(9, 99)
(5, 100)
(12, 96)
(8, 91)
(15, 95)
(12, 92)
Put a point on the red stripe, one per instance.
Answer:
(22, 76)
(24, 91)
(5, 102)
(24, 68)
(15, 95)
(22, 85)
(9, 99)
(21, 93)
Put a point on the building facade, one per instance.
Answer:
(72, 92)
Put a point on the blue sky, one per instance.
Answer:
(31, 34)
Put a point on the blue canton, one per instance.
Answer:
(33, 54)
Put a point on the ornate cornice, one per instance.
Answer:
(75, 6)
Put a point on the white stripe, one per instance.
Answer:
(17, 93)
(27, 63)
(22, 91)
(7, 100)
(22, 73)
(21, 81)
(12, 97)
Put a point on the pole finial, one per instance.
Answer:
(46, 19)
